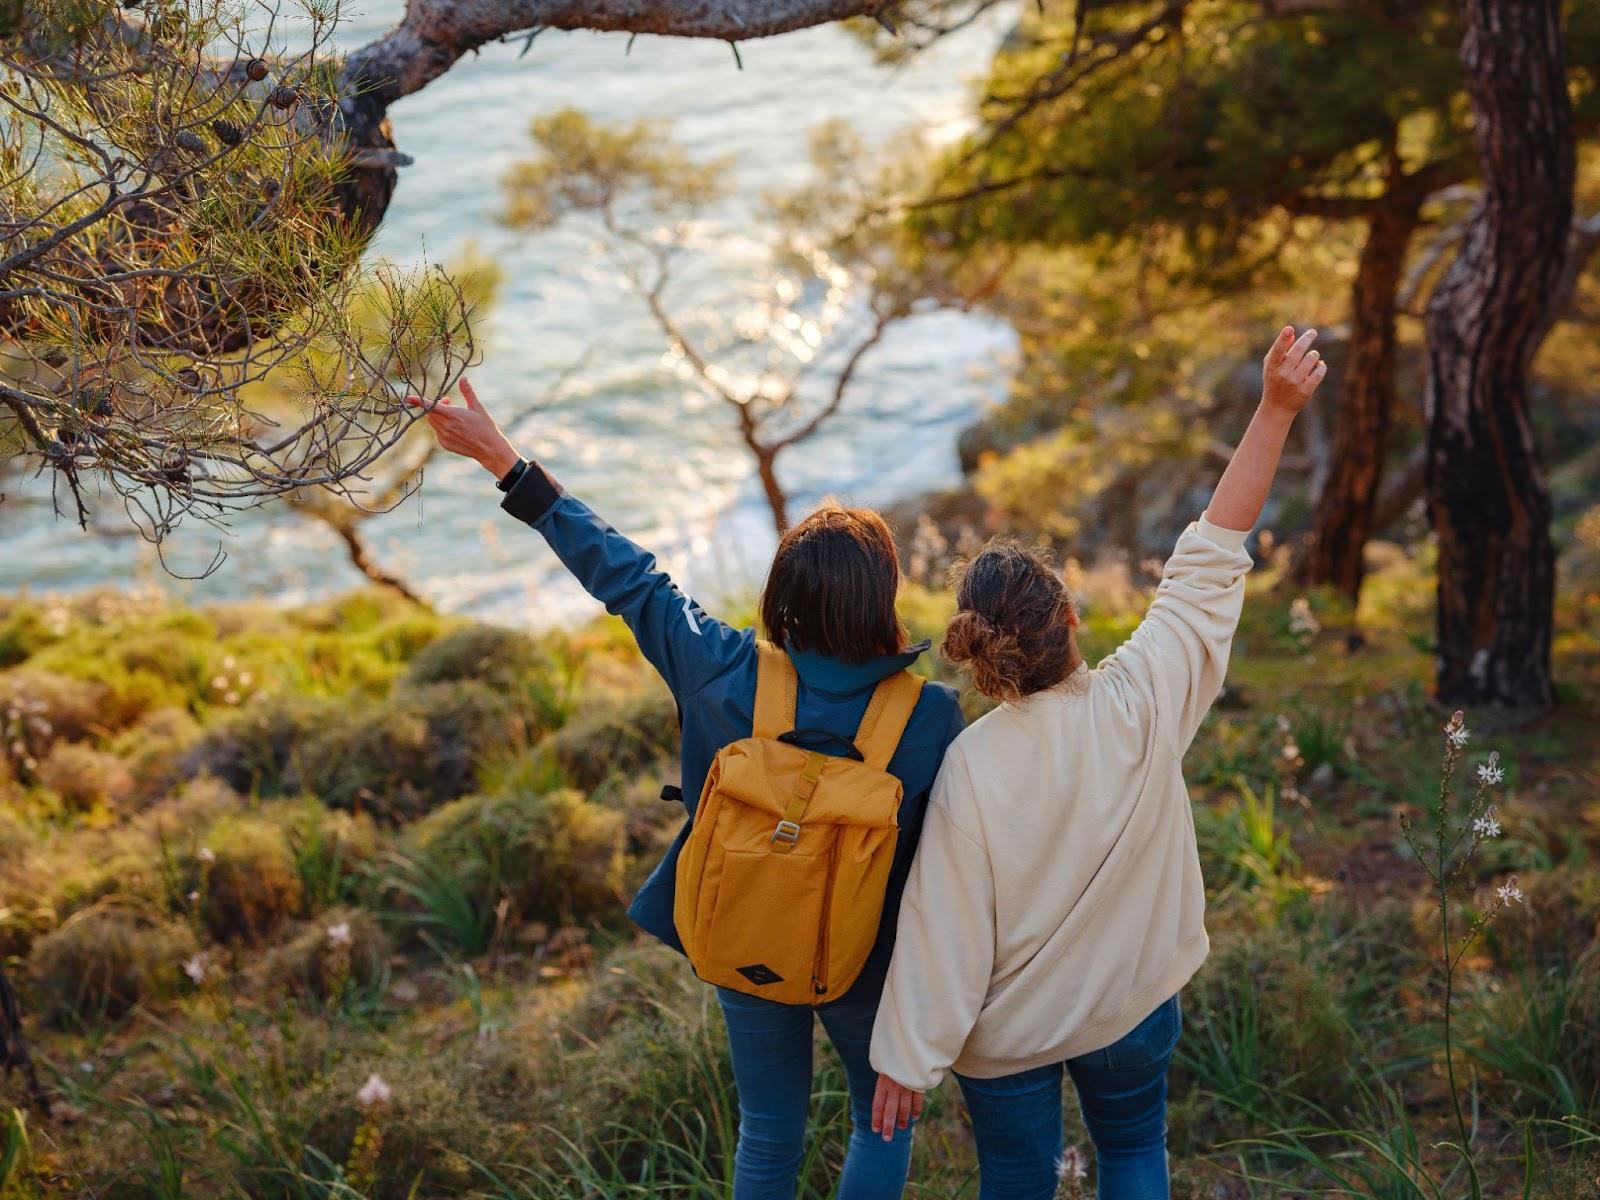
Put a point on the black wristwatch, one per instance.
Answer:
(509, 479)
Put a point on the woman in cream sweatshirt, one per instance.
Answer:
(1055, 906)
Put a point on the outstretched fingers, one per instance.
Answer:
(1280, 346)
(1308, 366)
(1294, 357)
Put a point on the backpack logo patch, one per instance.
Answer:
(760, 974)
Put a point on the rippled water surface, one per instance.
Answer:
(656, 457)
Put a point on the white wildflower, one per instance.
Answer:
(1491, 774)
(1508, 892)
(1456, 732)
(339, 935)
(207, 854)
(374, 1091)
(219, 683)
(1071, 1165)
(194, 897)
(231, 698)
(1487, 826)
(1302, 621)
(195, 968)
(1291, 751)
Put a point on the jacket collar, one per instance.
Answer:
(825, 674)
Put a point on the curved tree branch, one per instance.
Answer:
(435, 33)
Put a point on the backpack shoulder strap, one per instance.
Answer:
(777, 689)
(885, 721)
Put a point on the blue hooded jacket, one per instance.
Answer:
(711, 669)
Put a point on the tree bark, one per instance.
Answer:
(435, 34)
(361, 558)
(1486, 497)
(766, 468)
(14, 1054)
(1333, 552)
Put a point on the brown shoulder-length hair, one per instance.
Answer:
(832, 586)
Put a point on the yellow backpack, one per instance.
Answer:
(780, 886)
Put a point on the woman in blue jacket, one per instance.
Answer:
(828, 602)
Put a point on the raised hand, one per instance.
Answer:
(469, 430)
(1291, 371)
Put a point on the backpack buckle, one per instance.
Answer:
(787, 832)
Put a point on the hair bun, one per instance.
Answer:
(992, 654)
(1009, 630)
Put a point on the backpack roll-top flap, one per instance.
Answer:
(765, 776)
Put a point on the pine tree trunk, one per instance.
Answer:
(1333, 553)
(1486, 495)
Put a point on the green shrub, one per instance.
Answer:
(344, 952)
(85, 778)
(653, 1097)
(556, 858)
(1265, 1025)
(331, 849)
(437, 1122)
(52, 708)
(418, 749)
(1559, 924)
(251, 884)
(502, 658)
(154, 750)
(630, 735)
(23, 631)
(1539, 1034)
(177, 652)
(254, 751)
(104, 961)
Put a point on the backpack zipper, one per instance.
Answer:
(819, 972)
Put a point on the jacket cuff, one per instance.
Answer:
(1228, 539)
(533, 495)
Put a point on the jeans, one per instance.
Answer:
(1122, 1091)
(771, 1047)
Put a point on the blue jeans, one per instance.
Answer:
(771, 1046)
(1122, 1091)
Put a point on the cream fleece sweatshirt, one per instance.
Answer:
(1055, 899)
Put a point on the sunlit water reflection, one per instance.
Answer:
(648, 450)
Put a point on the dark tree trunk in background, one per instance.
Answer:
(1486, 496)
(777, 501)
(1333, 553)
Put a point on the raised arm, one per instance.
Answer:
(1172, 668)
(1290, 373)
(688, 647)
